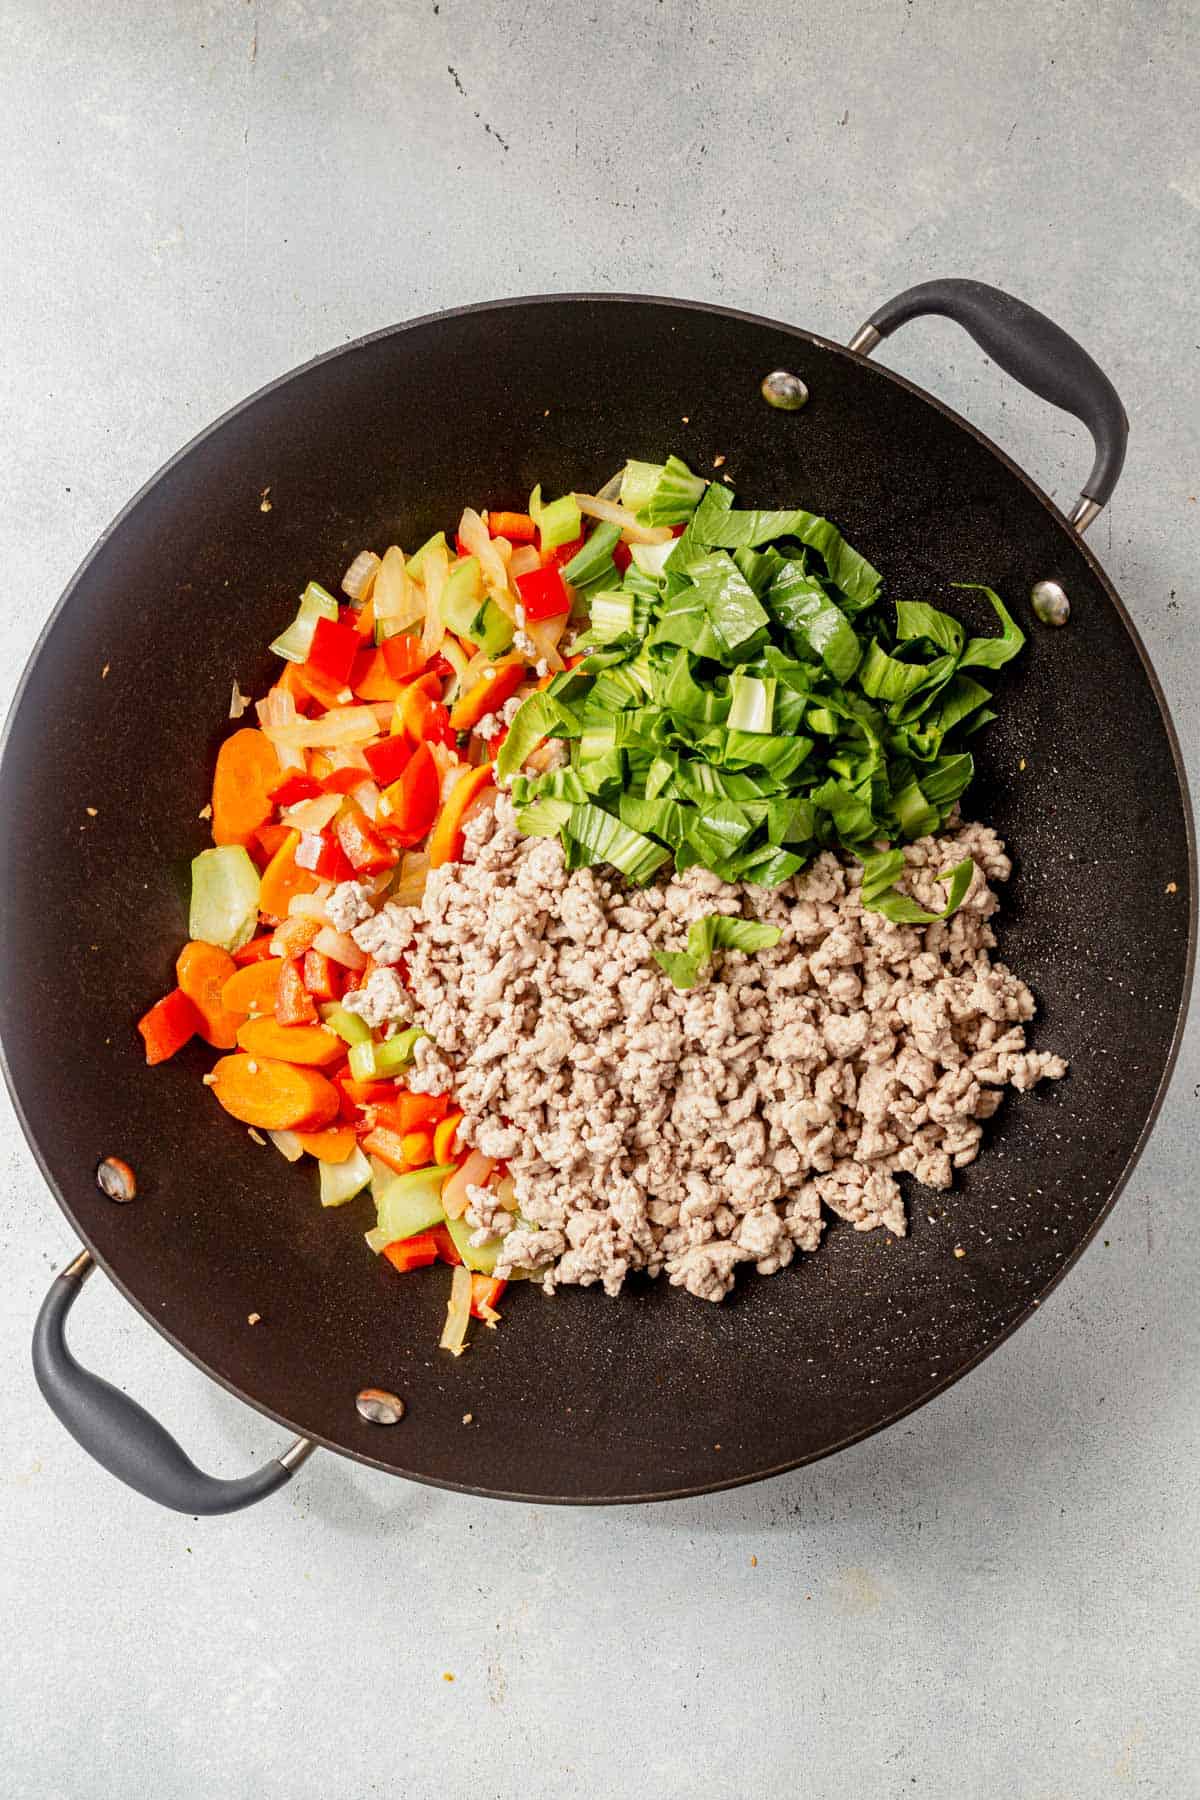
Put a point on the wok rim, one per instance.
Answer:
(817, 341)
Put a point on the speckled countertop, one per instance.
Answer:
(996, 1599)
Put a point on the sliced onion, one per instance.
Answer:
(451, 779)
(287, 1144)
(340, 948)
(445, 759)
(410, 883)
(310, 906)
(278, 710)
(524, 560)
(473, 1173)
(314, 814)
(458, 1312)
(436, 569)
(631, 530)
(359, 578)
(340, 726)
(377, 1238)
(368, 797)
(238, 702)
(398, 600)
(506, 1194)
(544, 634)
(612, 487)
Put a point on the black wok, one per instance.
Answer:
(578, 1398)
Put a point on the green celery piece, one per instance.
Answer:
(462, 595)
(454, 654)
(491, 630)
(224, 901)
(348, 1025)
(992, 653)
(713, 932)
(482, 1258)
(611, 615)
(638, 482)
(676, 495)
(370, 1061)
(751, 702)
(595, 560)
(295, 643)
(559, 522)
(341, 1181)
(416, 562)
(412, 1202)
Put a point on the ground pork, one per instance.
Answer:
(687, 1132)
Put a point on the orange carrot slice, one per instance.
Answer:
(499, 684)
(202, 971)
(282, 879)
(247, 768)
(254, 988)
(274, 1096)
(446, 838)
(306, 1044)
(333, 1145)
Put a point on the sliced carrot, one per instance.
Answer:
(294, 1005)
(290, 683)
(254, 988)
(485, 1291)
(294, 936)
(418, 1148)
(275, 1096)
(445, 1138)
(499, 683)
(517, 527)
(247, 769)
(388, 1146)
(446, 838)
(305, 1044)
(202, 971)
(333, 1145)
(412, 1253)
(168, 1025)
(282, 879)
(255, 950)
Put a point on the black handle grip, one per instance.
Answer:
(121, 1435)
(1034, 351)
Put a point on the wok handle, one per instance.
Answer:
(1034, 351)
(121, 1435)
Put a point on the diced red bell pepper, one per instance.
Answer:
(368, 852)
(332, 651)
(267, 841)
(561, 555)
(485, 1291)
(517, 527)
(412, 1253)
(322, 976)
(389, 758)
(412, 802)
(293, 1002)
(387, 1145)
(168, 1025)
(257, 950)
(403, 656)
(678, 530)
(447, 1249)
(543, 593)
(364, 1093)
(320, 689)
(426, 720)
(293, 788)
(343, 781)
(441, 666)
(322, 855)
(348, 615)
(402, 1112)
(622, 555)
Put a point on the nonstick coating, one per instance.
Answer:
(122, 709)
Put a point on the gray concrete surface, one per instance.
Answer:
(997, 1599)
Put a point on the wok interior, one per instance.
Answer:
(578, 1396)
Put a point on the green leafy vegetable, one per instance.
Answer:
(595, 560)
(879, 893)
(715, 931)
(992, 653)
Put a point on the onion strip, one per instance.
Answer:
(458, 1312)
(473, 1173)
(631, 529)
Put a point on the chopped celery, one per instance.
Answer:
(595, 560)
(611, 616)
(651, 559)
(295, 643)
(559, 522)
(341, 1181)
(376, 1062)
(491, 629)
(410, 1203)
(638, 483)
(480, 1257)
(676, 495)
(752, 702)
(416, 561)
(461, 595)
(224, 906)
(348, 1025)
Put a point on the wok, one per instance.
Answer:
(578, 1398)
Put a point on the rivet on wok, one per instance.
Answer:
(786, 391)
(116, 1179)
(1050, 603)
(378, 1407)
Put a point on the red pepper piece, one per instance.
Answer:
(168, 1025)
(257, 950)
(321, 975)
(323, 857)
(389, 758)
(293, 788)
(622, 555)
(403, 656)
(543, 593)
(332, 652)
(268, 839)
(447, 1249)
(367, 850)
(485, 1291)
(412, 1253)
(412, 802)
(293, 1002)
(344, 781)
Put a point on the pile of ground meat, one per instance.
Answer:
(685, 1132)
